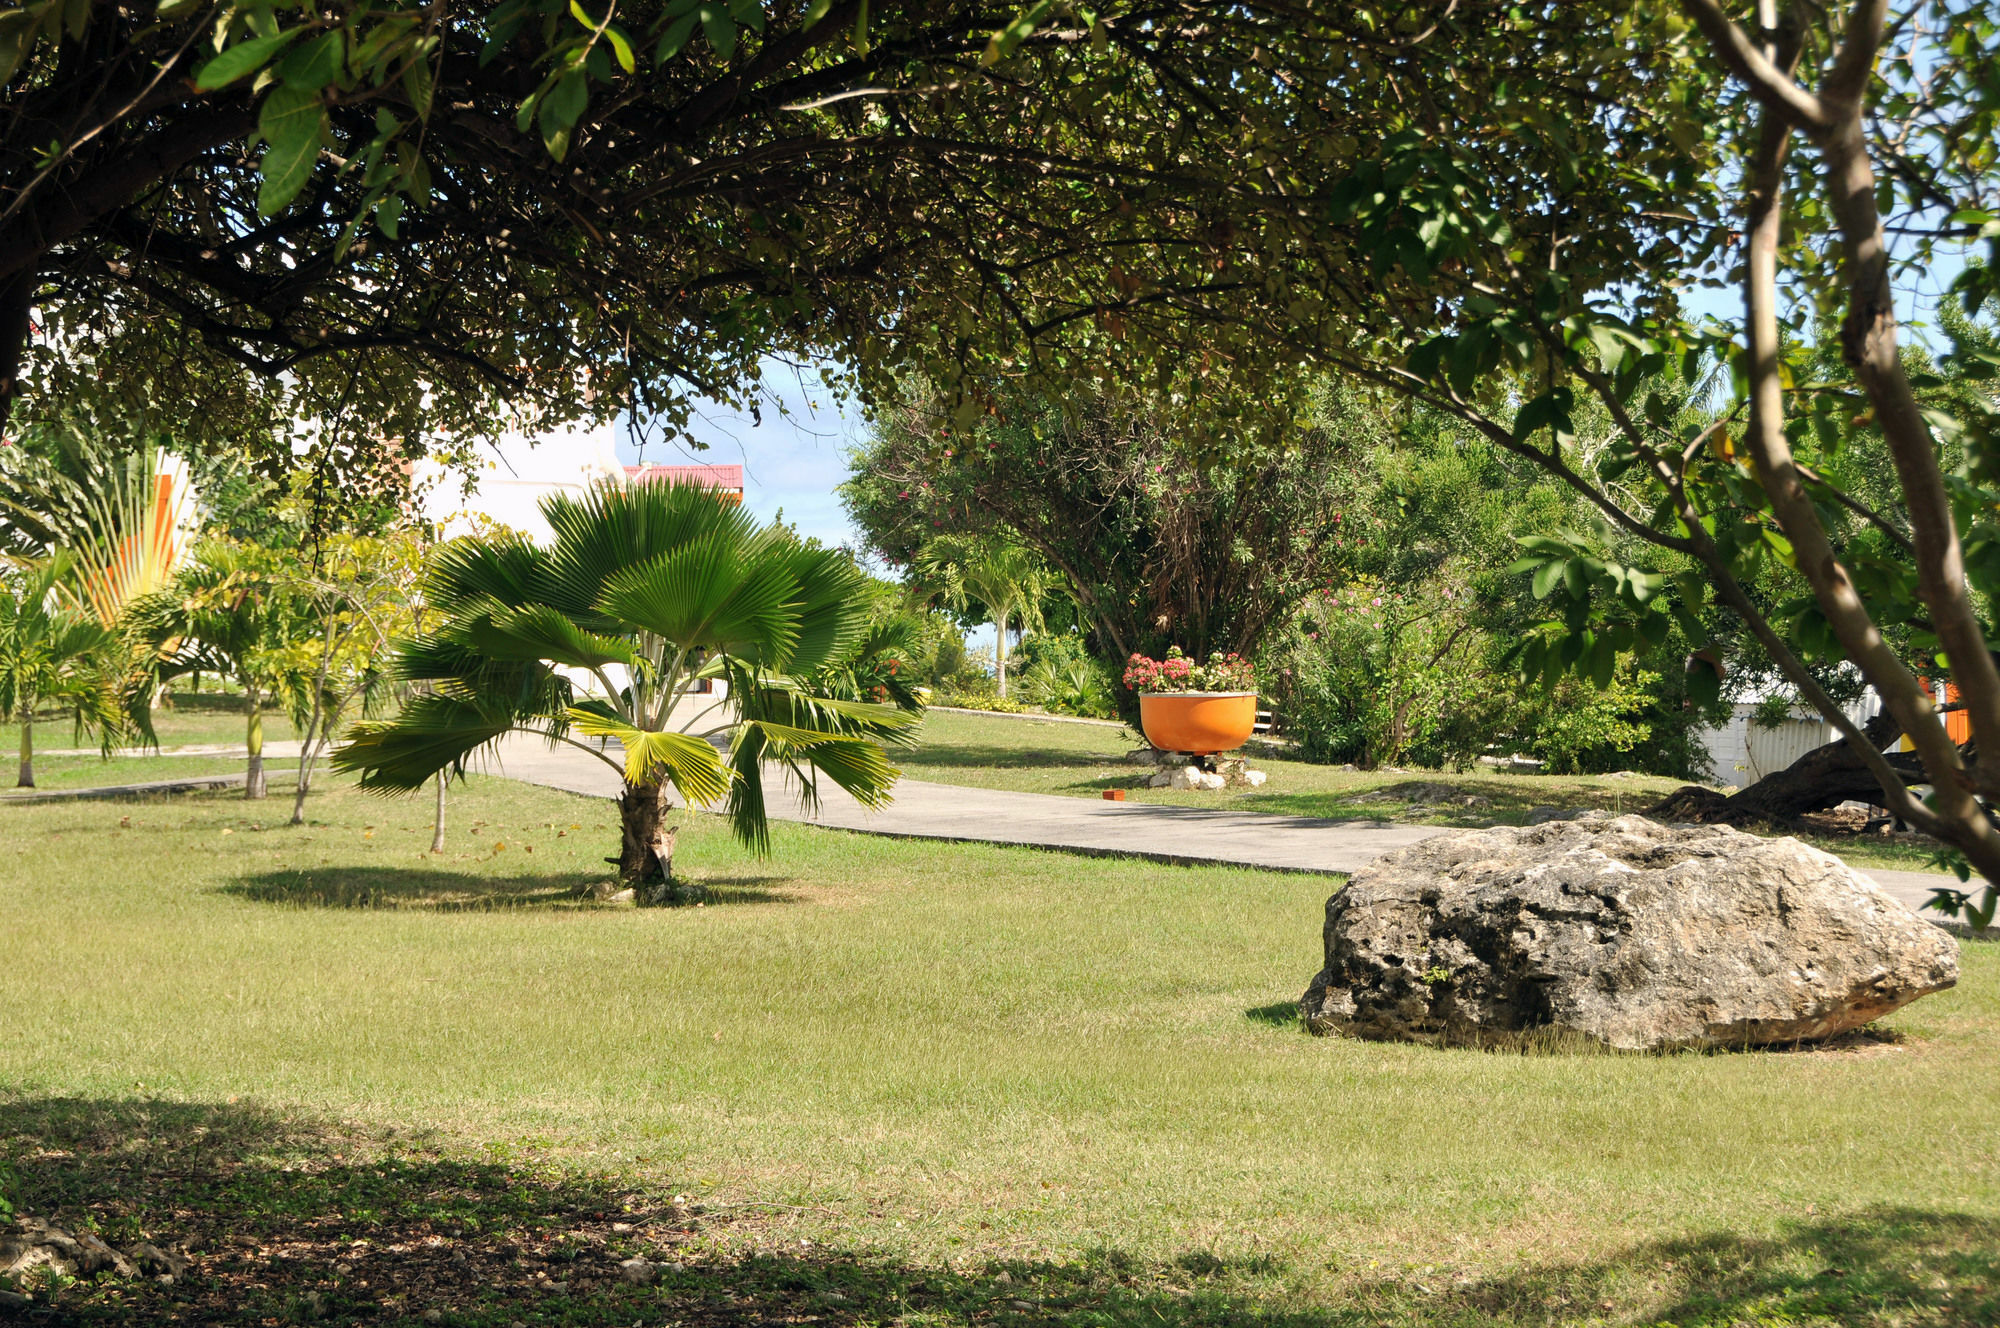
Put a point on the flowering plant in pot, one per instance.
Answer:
(1177, 673)
(1189, 707)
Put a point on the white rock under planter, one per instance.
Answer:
(1621, 931)
(1207, 774)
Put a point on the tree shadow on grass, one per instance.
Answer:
(960, 754)
(295, 1221)
(438, 889)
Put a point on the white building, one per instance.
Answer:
(510, 479)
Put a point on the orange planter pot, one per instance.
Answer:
(1200, 722)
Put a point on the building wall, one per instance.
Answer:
(1741, 753)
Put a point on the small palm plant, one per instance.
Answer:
(1009, 579)
(652, 593)
(229, 612)
(53, 651)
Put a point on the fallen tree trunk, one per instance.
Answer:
(1824, 777)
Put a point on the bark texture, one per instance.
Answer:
(646, 855)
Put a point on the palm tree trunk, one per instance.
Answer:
(253, 779)
(646, 857)
(27, 776)
(437, 821)
(1000, 650)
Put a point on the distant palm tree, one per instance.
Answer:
(229, 613)
(52, 650)
(651, 592)
(1005, 577)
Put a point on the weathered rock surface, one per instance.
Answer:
(1626, 932)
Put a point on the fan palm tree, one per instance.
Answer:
(1005, 577)
(652, 593)
(122, 505)
(53, 651)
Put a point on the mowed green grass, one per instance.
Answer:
(1050, 756)
(72, 772)
(960, 1058)
(189, 719)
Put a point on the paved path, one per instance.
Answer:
(185, 784)
(276, 747)
(924, 810)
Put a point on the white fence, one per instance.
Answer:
(1742, 753)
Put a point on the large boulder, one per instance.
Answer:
(1621, 931)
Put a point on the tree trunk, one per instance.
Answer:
(646, 857)
(1000, 650)
(17, 299)
(314, 737)
(253, 779)
(305, 769)
(27, 776)
(437, 821)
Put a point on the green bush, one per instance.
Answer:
(1059, 674)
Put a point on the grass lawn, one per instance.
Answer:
(1082, 760)
(903, 1083)
(193, 719)
(67, 772)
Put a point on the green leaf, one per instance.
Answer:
(1546, 578)
(675, 37)
(240, 59)
(688, 763)
(749, 13)
(815, 11)
(1603, 661)
(719, 28)
(419, 82)
(1019, 30)
(316, 64)
(622, 48)
(564, 104)
(1704, 683)
(1610, 349)
(292, 122)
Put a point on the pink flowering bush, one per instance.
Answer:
(1178, 673)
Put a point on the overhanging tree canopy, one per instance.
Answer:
(466, 209)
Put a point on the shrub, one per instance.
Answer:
(1060, 674)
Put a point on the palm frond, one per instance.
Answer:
(833, 612)
(502, 569)
(432, 733)
(613, 528)
(777, 699)
(710, 593)
(693, 767)
(539, 632)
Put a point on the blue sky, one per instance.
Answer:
(791, 461)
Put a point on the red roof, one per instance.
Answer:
(714, 477)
